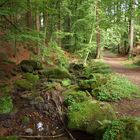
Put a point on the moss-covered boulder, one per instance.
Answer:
(86, 84)
(57, 73)
(89, 115)
(124, 129)
(23, 84)
(6, 104)
(30, 65)
(73, 96)
(31, 78)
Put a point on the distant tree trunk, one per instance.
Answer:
(37, 25)
(98, 50)
(131, 30)
(29, 14)
(59, 22)
(37, 20)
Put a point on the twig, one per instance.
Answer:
(55, 136)
(59, 112)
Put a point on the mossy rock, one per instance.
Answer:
(86, 84)
(23, 84)
(31, 78)
(6, 105)
(124, 129)
(30, 65)
(89, 115)
(57, 73)
(73, 96)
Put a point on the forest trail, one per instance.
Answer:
(115, 62)
(124, 107)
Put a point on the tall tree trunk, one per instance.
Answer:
(131, 29)
(37, 25)
(29, 14)
(98, 39)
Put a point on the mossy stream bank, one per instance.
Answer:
(58, 101)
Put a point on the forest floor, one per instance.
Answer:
(125, 107)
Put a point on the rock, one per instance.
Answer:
(57, 73)
(89, 115)
(30, 65)
(29, 131)
(23, 84)
(40, 126)
(86, 84)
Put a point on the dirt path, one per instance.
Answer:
(125, 107)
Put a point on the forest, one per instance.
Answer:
(69, 69)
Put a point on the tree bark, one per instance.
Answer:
(98, 39)
(29, 14)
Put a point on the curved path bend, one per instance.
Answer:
(125, 107)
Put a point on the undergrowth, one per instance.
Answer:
(114, 88)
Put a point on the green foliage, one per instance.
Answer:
(96, 67)
(114, 88)
(54, 55)
(66, 82)
(113, 130)
(73, 97)
(25, 120)
(31, 77)
(6, 104)
(123, 129)
(23, 84)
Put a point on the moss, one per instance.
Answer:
(23, 84)
(72, 96)
(6, 105)
(66, 82)
(25, 120)
(86, 84)
(4, 90)
(58, 73)
(31, 78)
(89, 115)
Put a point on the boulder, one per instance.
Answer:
(30, 65)
(57, 73)
(88, 116)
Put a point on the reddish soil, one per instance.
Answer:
(125, 107)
